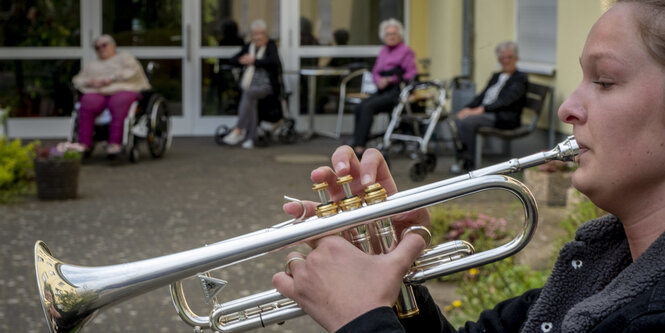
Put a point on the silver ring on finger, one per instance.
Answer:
(287, 266)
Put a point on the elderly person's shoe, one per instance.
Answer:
(248, 144)
(234, 138)
(461, 166)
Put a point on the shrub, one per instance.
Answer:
(16, 169)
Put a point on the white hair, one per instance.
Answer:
(391, 22)
(106, 38)
(507, 45)
(259, 25)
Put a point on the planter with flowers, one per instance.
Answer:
(57, 171)
(550, 182)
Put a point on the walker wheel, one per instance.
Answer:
(418, 171)
(430, 162)
(287, 135)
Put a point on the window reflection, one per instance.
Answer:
(40, 23)
(218, 17)
(219, 87)
(166, 79)
(143, 22)
(38, 88)
(321, 19)
(327, 87)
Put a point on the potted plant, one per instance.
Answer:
(57, 171)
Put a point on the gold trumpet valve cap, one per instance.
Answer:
(351, 203)
(327, 209)
(375, 193)
(344, 181)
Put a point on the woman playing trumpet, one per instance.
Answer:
(611, 278)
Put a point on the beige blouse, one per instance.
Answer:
(126, 72)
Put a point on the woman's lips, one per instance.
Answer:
(582, 149)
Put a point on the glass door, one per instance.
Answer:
(221, 28)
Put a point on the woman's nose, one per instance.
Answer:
(572, 110)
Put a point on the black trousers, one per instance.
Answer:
(381, 101)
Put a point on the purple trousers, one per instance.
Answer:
(92, 106)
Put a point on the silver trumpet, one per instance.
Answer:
(71, 295)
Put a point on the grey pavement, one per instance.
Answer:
(198, 194)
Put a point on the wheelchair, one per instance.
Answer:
(147, 121)
(274, 123)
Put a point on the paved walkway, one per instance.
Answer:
(198, 194)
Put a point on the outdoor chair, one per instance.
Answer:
(536, 96)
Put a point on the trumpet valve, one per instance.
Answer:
(344, 181)
(327, 207)
(351, 201)
(321, 190)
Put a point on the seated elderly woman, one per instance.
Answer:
(260, 78)
(499, 105)
(114, 81)
(395, 62)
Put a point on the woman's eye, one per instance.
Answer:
(603, 84)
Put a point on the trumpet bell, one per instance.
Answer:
(66, 307)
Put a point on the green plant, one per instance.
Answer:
(16, 169)
(482, 288)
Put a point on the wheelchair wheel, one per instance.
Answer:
(220, 132)
(133, 154)
(159, 129)
(418, 171)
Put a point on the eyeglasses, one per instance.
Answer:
(100, 46)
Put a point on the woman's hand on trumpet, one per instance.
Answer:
(336, 281)
(371, 169)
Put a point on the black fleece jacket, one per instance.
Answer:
(595, 286)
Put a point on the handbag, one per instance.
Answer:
(260, 78)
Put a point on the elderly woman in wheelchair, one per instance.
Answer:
(117, 85)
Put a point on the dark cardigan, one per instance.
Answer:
(510, 102)
(270, 62)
